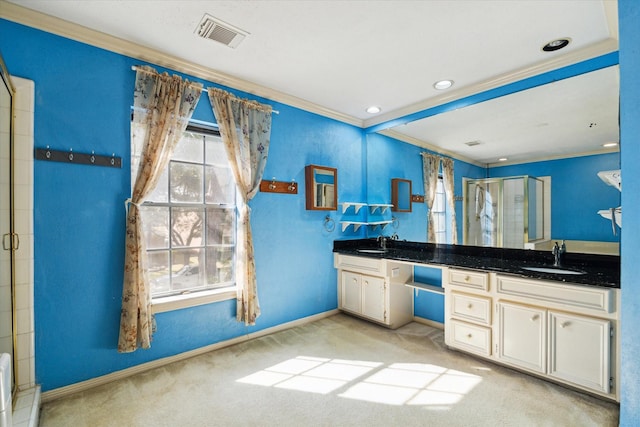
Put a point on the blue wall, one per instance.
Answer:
(389, 158)
(629, 16)
(82, 101)
(577, 194)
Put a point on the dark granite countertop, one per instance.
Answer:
(599, 270)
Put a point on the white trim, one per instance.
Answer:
(177, 302)
(50, 24)
(61, 392)
(414, 141)
(556, 157)
(428, 322)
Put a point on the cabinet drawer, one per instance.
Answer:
(469, 279)
(473, 338)
(473, 308)
(592, 298)
(360, 264)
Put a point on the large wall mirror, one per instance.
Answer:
(321, 185)
(569, 119)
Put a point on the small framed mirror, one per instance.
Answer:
(401, 195)
(321, 188)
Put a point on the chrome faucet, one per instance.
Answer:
(382, 240)
(558, 254)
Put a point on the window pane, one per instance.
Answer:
(220, 265)
(220, 186)
(158, 269)
(189, 148)
(186, 271)
(186, 183)
(221, 226)
(438, 205)
(215, 153)
(160, 194)
(190, 220)
(155, 223)
(186, 227)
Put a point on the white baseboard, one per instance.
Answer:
(428, 322)
(58, 393)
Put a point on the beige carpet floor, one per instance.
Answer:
(338, 371)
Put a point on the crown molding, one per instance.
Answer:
(606, 46)
(60, 27)
(555, 157)
(415, 141)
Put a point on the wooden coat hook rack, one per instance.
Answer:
(274, 186)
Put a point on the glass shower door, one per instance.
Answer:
(483, 219)
(6, 229)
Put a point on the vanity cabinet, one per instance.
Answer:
(522, 336)
(559, 331)
(468, 311)
(364, 295)
(374, 289)
(580, 349)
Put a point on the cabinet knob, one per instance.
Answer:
(534, 317)
(564, 324)
(470, 306)
(469, 336)
(467, 278)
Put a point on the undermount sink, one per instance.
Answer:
(372, 251)
(553, 270)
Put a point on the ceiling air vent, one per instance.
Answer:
(213, 29)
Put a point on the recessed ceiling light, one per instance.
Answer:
(610, 144)
(443, 84)
(556, 44)
(373, 109)
(502, 159)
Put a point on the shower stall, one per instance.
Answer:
(503, 212)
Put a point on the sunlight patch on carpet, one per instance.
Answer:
(397, 384)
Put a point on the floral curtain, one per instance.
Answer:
(162, 108)
(245, 127)
(430, 166)
(447, 178)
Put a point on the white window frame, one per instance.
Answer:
(166, 303)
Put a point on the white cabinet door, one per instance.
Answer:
(579, 350)
(373, 298)
(351, 292)
(522, 336)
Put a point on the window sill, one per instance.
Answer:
(177, 302)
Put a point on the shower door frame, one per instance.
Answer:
(10, 241)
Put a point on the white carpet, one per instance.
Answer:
(339, 371)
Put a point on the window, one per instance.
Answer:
(190, 219)
(439, 212)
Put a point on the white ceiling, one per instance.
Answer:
(339, 57)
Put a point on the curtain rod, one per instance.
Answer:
(204, 89)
